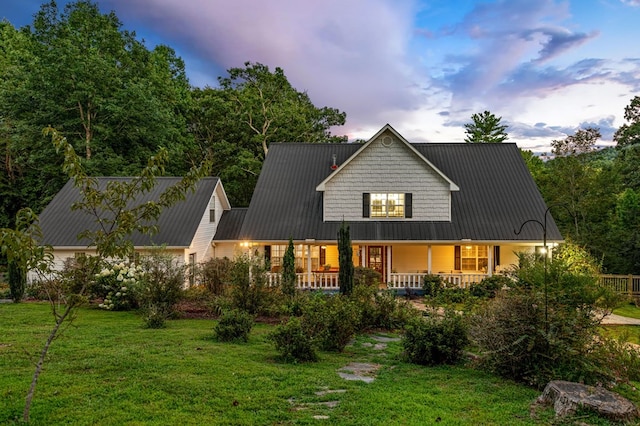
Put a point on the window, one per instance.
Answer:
(474, 258)
(300, 252)
(212, 215)
(192, 268)
(387, 205)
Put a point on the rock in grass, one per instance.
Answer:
(567, 397)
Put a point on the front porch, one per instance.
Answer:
(401, 265)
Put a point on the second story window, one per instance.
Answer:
(387, 205)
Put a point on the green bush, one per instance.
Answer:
(293, 342)
(160, 287)
(249, 288)
(435, 340)
(116, 284)
(543, 328)
(17, 280)
(332, 320)
(488, 287)
(214, 274)
(366, 276)
(432, 284)
(381, 309)
(234, 325)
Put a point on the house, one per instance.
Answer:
(413, 209)
(186, 229)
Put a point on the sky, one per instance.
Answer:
(547, 67)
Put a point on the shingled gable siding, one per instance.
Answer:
(393, 169)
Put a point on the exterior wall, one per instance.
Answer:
(381, 169)
(409, 258)
(230, 250)
(201, 243)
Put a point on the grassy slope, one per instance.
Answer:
(108, 370)
(628, 310)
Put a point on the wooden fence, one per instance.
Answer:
(625, 284)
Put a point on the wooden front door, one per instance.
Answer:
(375, 259)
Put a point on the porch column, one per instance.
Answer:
(388, 277)
(429, 258)
(308, 265)
(363, 256)
(490, 261)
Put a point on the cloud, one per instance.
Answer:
(560, 40)
(635, 3)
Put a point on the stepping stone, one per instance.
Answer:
(328, 391)
(359, 371)
(386, 339)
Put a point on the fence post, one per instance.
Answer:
(630, 285)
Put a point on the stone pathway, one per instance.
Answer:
(613, 319)
(354, 371)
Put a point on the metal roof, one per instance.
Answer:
(230, 224)
(177, 225)
(497, 195)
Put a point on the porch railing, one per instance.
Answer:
(414, 281)
(624, 284)
(399, 281)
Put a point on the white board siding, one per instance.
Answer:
(381, 169)
(201, 243)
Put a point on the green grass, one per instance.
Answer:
(628, 310)
(109, 370)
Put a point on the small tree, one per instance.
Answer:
(485, 128)
(345, 260)
(581, 142)
(116, 219)
(289, 270)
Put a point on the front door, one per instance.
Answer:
(375, 259)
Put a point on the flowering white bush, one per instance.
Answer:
(118, 281)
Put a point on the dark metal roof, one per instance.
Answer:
(497, 195)
(230, 224)
(177, 225)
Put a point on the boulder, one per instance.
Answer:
(567, 397)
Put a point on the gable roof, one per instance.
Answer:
(230, 224)
(496, 196)
(388, 128)
(177, 225)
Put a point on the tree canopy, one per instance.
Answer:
(118, 102)
(485, 128)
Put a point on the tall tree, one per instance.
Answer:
(485, 128)
(289, 270)
(629, 134)
(345, 260)
(115, 100)
(253, 107)
(583, 141)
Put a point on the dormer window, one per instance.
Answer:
(387, 205)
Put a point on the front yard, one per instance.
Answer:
(109, 370)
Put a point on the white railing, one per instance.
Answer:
(402, 280)
(414, 280)
(319, 280)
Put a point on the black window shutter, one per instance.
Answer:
(408, 205)
(267, 253)
(496, 256)
(365, 204)
(457, 264)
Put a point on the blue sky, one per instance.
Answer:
(546, 67)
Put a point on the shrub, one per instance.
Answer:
(214, 274)
(117, 283)
(234, 325)
(435, 340)
(332, 320)
(533, 338)
(17, 280)
(432, 284)
(160, 287)
(381, 309)
(366, 276)
(249, 289)
(488, 287)
(293, 341)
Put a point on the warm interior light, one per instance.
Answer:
(543, 250)
(467, 247)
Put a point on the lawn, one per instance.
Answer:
(628, 310)
(109, 370)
